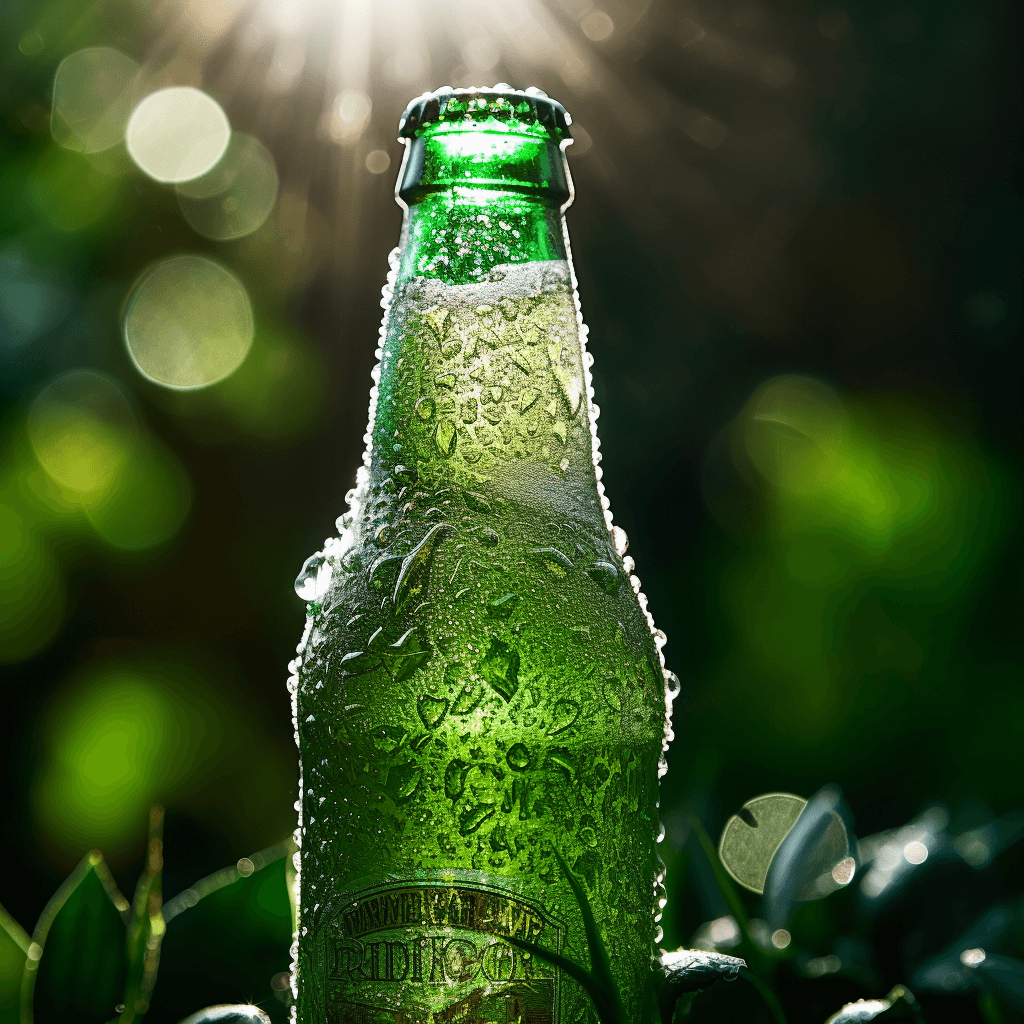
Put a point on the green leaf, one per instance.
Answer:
(146, 928)
(898, 1007)
(600, 965)
(227, 936)
(598, 982)
(76, 964)
(750, 952)
(14, 944)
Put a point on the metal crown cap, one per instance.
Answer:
(501, 101)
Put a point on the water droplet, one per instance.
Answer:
(432, 710)
(405, 475)
(502, 607)
(425, 408)
(384, 572)
(473, 817)
(314, 579)
(620, 540)
(444, 437)
(469, 410)
(408, 654)
(402, 781)
(606, 576)
(477, 502)
(518, 757)
(527, 400)
(563, 715)
(415, 572)
(564, 761)
(455, 779)
(557, 561)
(500, 669)
(488, 537)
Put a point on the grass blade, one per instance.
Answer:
(770, 999)
(750, 952)
(14, 944)
(146, 930)
(599, 995)
(600, 965)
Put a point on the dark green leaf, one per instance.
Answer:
(588, 981)
(14, 944)
(1003, 977)
(600, 965)
(146, 928)
(227, 936)
(76, 966)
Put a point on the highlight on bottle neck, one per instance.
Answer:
(484, 182)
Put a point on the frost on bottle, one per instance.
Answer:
(479, 692)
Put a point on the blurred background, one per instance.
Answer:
(797, 231)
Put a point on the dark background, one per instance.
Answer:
(797, 232)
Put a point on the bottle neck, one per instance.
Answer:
(482, 382)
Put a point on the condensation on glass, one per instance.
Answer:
(479, 691)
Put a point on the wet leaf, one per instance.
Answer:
(76, 965)
(691, 970)
(898, 1005)
(237, 1013)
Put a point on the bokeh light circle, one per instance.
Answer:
(188, 323)
(235, 197)
(92, 99)
(177, 134)
(83, 432)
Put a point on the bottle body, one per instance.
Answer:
(479, 693)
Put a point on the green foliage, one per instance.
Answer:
(76, 965)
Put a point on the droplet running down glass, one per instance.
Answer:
(479, 694)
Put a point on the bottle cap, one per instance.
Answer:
(501, 101)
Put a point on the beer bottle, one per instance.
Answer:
(480, 700)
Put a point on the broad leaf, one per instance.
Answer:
(227, 937)
(77, 967)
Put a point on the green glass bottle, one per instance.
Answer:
(479, 693)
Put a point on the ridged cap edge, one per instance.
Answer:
(475, 103)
